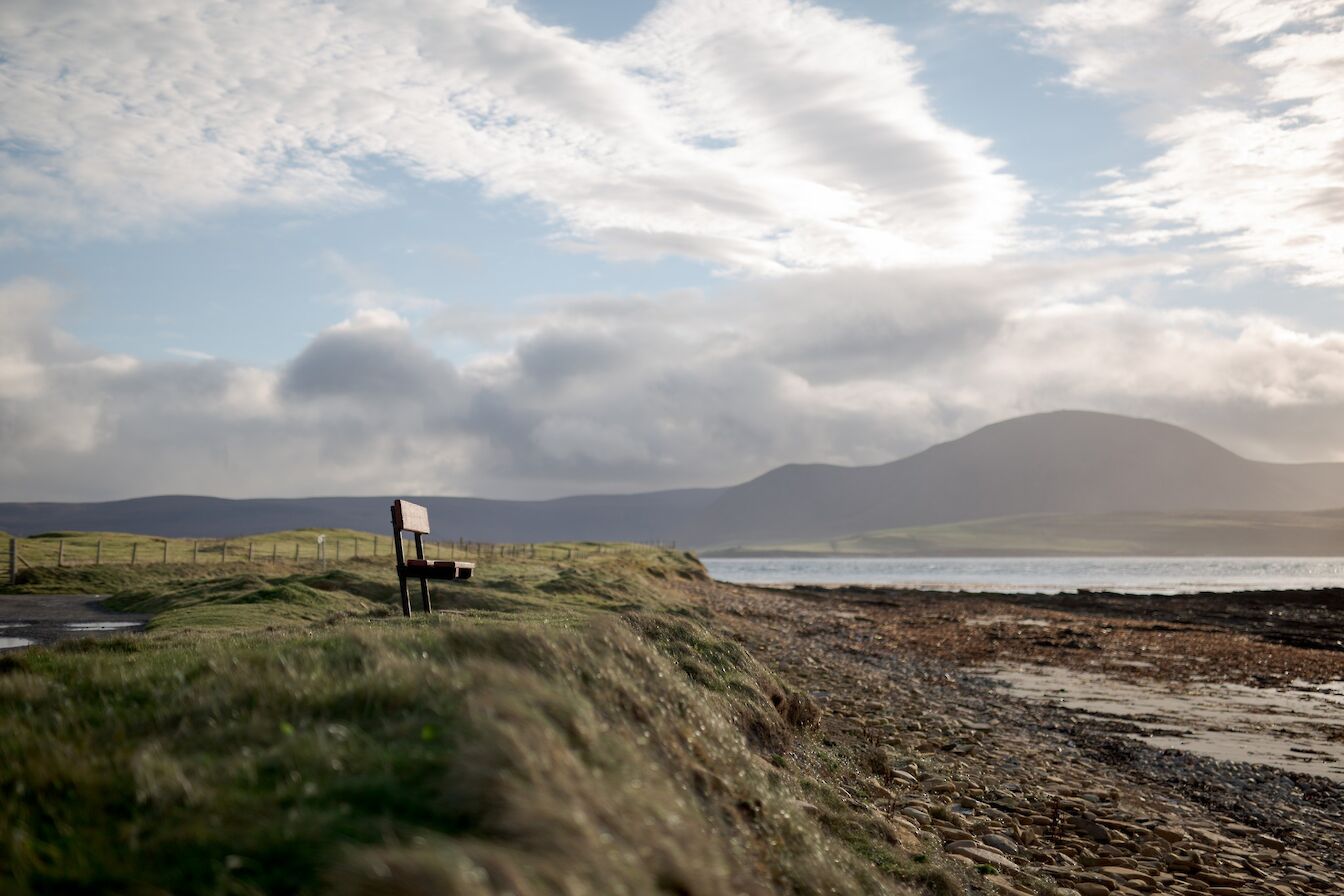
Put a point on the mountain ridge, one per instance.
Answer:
(1076, 462)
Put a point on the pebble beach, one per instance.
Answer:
(1040, 792)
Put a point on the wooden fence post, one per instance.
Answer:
(375, 545)
(165, 550)
(275, 551)
(98, 554)
(338, 550)
(250, 547)
(13, 560)
(134, 546)
(223, 551)
(296, 552)
(60, 552)
(195, 551)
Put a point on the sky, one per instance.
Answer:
(284, 248)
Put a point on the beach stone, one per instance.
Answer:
(917, 814)
(1091, 888)
(939, 785)
(1093, 831)
(904, 777)
(1001, 843)
(984, 856)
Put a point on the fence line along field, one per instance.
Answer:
(291, 547)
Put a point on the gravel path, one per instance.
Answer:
(43, 618)
(1025, 793)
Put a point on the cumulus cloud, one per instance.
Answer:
(1242, 103)
(616, 393)
(759, 135)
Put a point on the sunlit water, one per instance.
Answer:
(1136, 575)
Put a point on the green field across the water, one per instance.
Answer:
(1146, 534)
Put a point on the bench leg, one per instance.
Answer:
(405, 597)
(424, 595)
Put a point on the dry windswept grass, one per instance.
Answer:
(573, 728)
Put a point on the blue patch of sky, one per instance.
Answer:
(589, 19)
(255, 286)
(982, 78)
(1268, 293)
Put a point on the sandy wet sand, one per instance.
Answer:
(27, 619)
(1295, 728)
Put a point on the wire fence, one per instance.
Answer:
(126, 550)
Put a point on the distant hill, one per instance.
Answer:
(1061, 462)
(1189, 534)
(1066, 462)
(653, 516)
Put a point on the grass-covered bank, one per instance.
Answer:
(573, 727)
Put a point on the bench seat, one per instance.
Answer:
(438, 569)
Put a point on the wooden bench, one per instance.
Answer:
(408, 517)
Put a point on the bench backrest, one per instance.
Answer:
(408, 517)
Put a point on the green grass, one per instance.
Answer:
(1212, 533)
(567, 727)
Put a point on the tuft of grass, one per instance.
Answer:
(572, 726)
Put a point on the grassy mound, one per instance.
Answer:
(577, 728)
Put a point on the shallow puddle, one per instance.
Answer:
(11, 643)
(100, 626)
(1299, 728)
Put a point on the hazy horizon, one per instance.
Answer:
(705, 486)
(525, 250)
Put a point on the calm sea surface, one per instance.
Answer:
(1147, 575)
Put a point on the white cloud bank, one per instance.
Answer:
(762, 136)
(628, 393)
(1244, 101)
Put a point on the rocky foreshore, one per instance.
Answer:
(1033, 797)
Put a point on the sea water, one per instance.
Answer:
(1039, 575)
